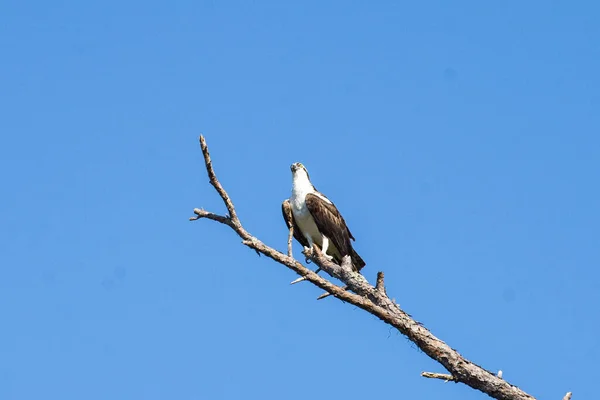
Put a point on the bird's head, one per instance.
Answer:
(299, 170)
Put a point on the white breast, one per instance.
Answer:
(305, 221)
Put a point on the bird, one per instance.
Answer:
(316, 220)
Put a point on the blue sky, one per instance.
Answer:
(460, 140)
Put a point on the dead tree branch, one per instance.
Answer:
(435, 375)
(290, 237)
(372, 299)
(379, 283)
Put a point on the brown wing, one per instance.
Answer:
(330, 223)
(288, 217)
(338, 213)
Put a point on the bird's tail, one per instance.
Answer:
(357, 262)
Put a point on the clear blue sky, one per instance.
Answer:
(459, 139)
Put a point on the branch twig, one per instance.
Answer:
(435, 375)
(290, 236)
(200, 213)
(380, 285)
(216, 184)
(372, 299)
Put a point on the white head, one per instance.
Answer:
(299, 172)
(300, 179)
(301, 184)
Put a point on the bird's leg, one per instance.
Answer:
(308, 251)
(324, 248)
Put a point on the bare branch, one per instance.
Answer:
(327, 294)
(346, 265)
(302, 278)
(300, 269)
(435, 375)
(568, 396)
(216, 184)
(380, 285)
(215, 217)
(372, 299)
(290, 237)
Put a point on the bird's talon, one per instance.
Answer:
(308, 253)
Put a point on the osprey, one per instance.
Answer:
(316, 220)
